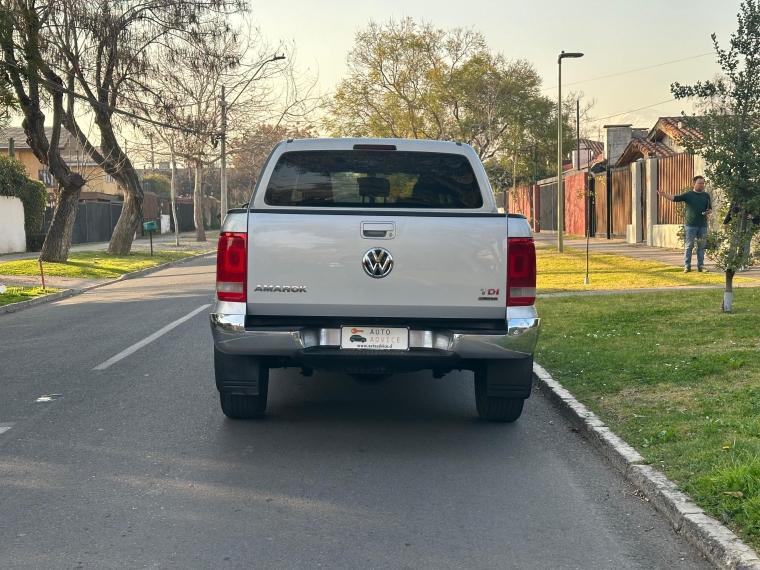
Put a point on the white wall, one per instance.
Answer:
(12, 235)
(666, 235)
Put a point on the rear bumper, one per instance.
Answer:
(516, 341)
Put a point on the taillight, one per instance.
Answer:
(521, 272)
(231, 267)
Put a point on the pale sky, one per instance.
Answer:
(615, 36)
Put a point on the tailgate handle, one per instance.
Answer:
(378, 230)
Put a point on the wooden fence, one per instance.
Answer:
(674, 175)
(611, 207)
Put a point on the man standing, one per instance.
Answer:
(698, 206)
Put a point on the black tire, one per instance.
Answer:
(494, 409)
(239, 407)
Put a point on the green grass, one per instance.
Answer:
(94, 264)
(18, 294)
(677, 379)
(565, 272)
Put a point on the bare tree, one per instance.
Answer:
(107, 47)
(25, 66)
(186, 93)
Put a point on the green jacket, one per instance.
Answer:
(696, 203)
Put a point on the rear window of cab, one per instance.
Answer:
(373, 179)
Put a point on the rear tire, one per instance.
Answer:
(494, 409)
(239, 407)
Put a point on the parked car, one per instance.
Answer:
(399, 240)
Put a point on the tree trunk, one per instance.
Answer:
(200, 232)
(58, 238)
(728, 295)
(124, 232)
(174, 205)
(115, 162)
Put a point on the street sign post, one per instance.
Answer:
(150, 227)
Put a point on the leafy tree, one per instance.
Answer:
(8, 102)
(397, 75)
(409, 80)
(727, 135)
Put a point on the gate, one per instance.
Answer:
(622, 194)
(600, 205)
(548, 206)
(643, 187)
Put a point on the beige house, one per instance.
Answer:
(77, 159)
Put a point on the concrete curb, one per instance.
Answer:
(20, 306)
(716, 542)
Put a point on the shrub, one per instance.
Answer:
(34, 241)
(157, 183)
(15, 183)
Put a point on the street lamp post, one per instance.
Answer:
(560, 193)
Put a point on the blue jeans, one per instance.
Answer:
(698, 234)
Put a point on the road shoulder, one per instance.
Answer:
(78, 286)
(716, 542)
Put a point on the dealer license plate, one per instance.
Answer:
(375, 338)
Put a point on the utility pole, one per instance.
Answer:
(560, 193)
(223, 208)
(152, 156)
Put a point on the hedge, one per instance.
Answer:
(14, 182)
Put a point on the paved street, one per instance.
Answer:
(134, 466)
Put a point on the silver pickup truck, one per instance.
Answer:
(371, 257)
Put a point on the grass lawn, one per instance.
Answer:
(565, 272)
(94, 264)
(677, 379)
(18, 294)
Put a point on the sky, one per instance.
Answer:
(615, 37)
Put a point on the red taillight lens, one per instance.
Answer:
(231, 267)
(521, 272)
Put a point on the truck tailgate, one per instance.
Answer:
(312, 265)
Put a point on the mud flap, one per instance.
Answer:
(236, 374)
(509, 378)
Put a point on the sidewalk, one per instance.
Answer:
(186, 237)
(636, 251)
(80, 283)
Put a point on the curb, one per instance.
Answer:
(716, 542)
(21, 305)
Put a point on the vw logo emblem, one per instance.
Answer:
(377, 262)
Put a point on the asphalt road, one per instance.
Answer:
(135, 466)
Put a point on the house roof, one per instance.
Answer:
(674, 127)
(596, 147)
(643, 148)
(19, 137)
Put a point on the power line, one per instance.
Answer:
(631, 111)
(104, 106)
(629, 71)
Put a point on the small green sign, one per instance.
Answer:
(149, 226)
